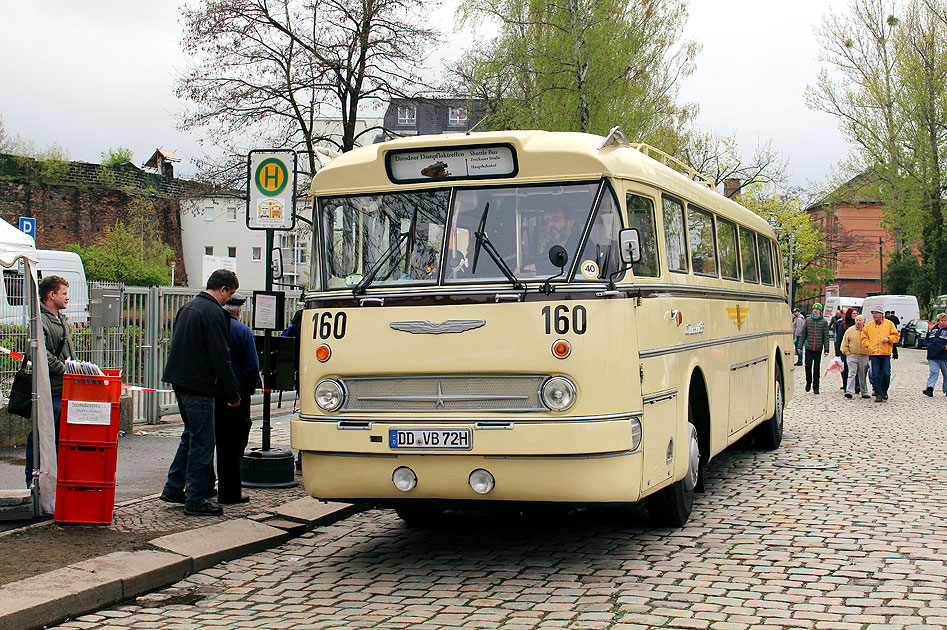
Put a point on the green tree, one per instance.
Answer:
(131, 252)
(887, 85)
(116, 156)
(581, 65)
(798, 234)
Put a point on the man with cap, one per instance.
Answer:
(232, 424)
(814, 340)
(879, 337)
(798, 321)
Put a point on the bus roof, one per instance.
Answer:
(542, 156)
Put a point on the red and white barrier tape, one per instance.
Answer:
(135, 388)
(13, 353)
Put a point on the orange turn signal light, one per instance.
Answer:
(561, 349)
(323, 353)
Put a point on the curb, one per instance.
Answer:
(100, 582)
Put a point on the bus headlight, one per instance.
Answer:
(481, 481)
(329, 394)
(404, 479)
(558, 393)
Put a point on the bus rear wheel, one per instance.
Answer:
(672, 506)
(769, 435)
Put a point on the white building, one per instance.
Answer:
(216, 226)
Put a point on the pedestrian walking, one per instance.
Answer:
(232, 424)
(894, 319)
(937, 354)
(798, 321)
(856, 356)
(879, 336)
(841, 326)
(53, 297)
(199, 370)
(815, 342)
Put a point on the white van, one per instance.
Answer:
(904, 306)
(834, 303)
(49, 263)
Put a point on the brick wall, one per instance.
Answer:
(82, 204)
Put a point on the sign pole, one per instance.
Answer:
(267, 357)
(271, 187)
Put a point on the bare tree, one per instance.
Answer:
(719, 158)
(267, 73)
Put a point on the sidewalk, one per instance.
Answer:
(50, 572)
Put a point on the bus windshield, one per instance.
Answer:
(400, 234)
(397, 239)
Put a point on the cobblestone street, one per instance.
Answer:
(843, 527)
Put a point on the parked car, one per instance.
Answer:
(913, 333)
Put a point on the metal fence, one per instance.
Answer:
(139, 346)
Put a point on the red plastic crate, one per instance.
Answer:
(72, 431)
(84, 503)
(106, 388)
(82, 462)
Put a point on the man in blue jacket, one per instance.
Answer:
(937, 354)
(199, 370)
(232, 424)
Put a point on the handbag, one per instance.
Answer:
(21, 393)
(20, 401)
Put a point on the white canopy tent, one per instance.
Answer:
(16, 246)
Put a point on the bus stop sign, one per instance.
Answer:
(271, 176)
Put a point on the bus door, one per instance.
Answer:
(660, 395)
(744, 368)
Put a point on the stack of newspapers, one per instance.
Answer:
(83, 367)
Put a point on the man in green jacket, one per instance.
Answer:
(814, 338)
(54, 296)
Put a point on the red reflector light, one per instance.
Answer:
(323, 353)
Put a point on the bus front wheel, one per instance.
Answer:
(672, 506)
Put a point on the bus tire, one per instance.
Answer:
(769, 434)
(419, 514)
(671, 506)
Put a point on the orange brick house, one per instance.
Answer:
(858, 244)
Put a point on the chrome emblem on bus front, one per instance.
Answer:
(425, 327)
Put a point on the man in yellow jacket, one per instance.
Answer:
(879, 337)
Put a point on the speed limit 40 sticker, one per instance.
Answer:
(589, 269)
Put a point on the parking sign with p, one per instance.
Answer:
(28, 226)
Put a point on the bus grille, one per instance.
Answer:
(444, 393)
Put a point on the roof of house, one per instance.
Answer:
(861, 189)
(167, 156)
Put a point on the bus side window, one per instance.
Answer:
(641, 216)
(748, 256)
(766, 261)
(700, 233)
(727, 244)
(602, 244)
(674, 234)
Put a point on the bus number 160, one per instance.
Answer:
(559, 319)
(324, 325)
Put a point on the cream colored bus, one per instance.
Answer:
(529, 316)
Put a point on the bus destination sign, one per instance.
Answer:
(409, 166)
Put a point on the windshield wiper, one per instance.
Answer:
(483, 241)
(370, 276)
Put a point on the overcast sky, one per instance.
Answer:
(98, 74)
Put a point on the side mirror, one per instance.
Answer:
(276, 263)
(630, 247)
(558, 256)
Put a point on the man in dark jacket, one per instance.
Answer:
(53, 296)
(199, 369)
(937, 354)
(815, 342)
(232, 424)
